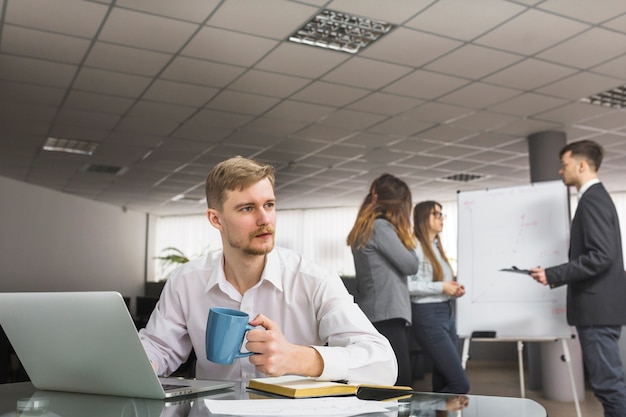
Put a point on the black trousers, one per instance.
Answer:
(398, 333)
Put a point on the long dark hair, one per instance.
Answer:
(421, 220)
(389, 198)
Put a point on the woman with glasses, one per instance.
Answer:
(432, 291)
(383, 246)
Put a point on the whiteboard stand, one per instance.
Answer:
(520, 359)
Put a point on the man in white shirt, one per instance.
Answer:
(308, 323)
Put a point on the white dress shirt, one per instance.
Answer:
(309, 303)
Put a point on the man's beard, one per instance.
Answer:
(248, 250)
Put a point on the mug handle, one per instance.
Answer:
(245, 354)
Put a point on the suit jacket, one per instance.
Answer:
(596, 292)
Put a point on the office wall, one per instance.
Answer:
(50, 241)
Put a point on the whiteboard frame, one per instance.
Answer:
(525, 226)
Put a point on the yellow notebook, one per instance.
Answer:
(294, 386)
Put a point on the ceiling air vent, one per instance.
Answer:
(340, 31)
(104, 169)
(614, 98)
(463, 177)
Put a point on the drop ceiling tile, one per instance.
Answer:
(401, 126)
(161, 111)
(342, 151)
(426, 85)
(584, 10)
(451, 151)
(483, 120)
(413, 145)
(423, 161)
(445, 134)
(127, 60)
(237, 102)
(490, 156)
(300, 146)
(609, 121)
(619, 23)
(572, 113)
(329, 94)
(351, 120)
(302, 112)
(569, 52)
(527, 34)
(366, 73)
(613, 68)
(191, 10)
(580, 85)
(527, 104)
(323, 133)
(437, 112)
(367, 139)
(69, 17)
(206, 73)
(179, 93)
(383, 103)
(529, 74)
(36, 71)
(301, 60)
(37, 44)
(460, 19)
(228, 47)
(246, 137)
(276, 126)
(12, 92)
(78, 132)
(478, 95)
(275, 19)
(401, 10)
(525, 127)
(100, 81)
(150, 125)
(267, 83)
(393, 47)
(141, 30)
(27, 111)
(80, 118)
(491, 141)
(473, 62)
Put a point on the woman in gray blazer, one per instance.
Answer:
(383, 246)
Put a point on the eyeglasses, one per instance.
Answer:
(438, 215)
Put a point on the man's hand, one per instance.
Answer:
(539, 275)
(275, 356)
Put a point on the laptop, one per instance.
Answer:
(86, 342)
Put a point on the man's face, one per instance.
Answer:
(569, 169)
(248, 218)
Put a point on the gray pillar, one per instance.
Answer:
(543, 155)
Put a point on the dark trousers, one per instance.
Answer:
(398, 333)
(600, 349)
(435, 329)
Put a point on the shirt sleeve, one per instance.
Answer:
(165, 338)
(354, 349)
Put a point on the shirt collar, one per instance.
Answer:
(586, 186)
(271, 272)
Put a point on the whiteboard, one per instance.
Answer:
(526, 227)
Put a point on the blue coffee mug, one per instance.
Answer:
(225, 331)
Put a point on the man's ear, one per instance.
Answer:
(214, 218)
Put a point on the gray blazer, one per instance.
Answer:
(595, 278)
(382, 267)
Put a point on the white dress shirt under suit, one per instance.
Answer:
(309, 303)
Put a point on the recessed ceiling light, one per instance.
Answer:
(340, 31)
(81, 147)
(614, 98)
(463, 177)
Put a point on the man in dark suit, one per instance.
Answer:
(595, 277)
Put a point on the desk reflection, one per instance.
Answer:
(25, 401)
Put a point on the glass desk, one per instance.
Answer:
(23, 400)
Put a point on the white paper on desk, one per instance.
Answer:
(327, 406)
